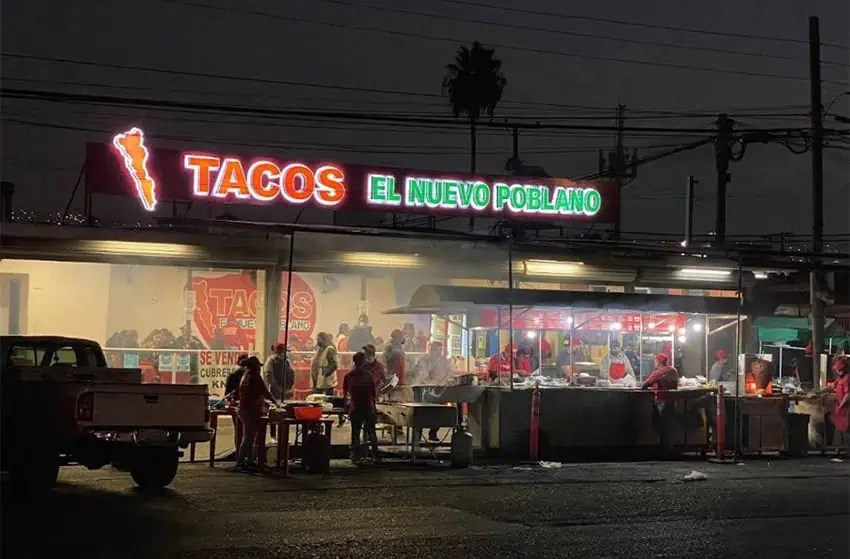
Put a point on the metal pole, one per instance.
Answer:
(288, 301)
(740, 373)
(707, 351)
(689, 210)
(640, 348)
(817, 195)
(511, 302)
(723, 156)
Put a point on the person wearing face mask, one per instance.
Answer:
(616, 367)
(361, 334)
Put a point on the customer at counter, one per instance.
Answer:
(565, 358)
(361, 389)
(252, 395)
(278, 373)
(663, 377)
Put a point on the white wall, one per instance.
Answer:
(65, 298)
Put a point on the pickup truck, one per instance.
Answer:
(63, 405)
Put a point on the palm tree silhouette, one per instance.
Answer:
(474, 84)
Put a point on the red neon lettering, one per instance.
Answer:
(202, 167)
(261, 175)
(231, 180)
(297, 183)
(330, 185)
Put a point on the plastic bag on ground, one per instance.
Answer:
(695, 476)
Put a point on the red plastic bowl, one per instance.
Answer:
(310, 413)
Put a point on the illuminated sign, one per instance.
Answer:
(476, 196)
(161, 174)
(134, 152)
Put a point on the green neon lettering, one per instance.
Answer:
(562, 200)
(450, 188)
(577, 200)
(465, 193)
(547, 206)
(503, 192)
(592, 201)
(434, 192)
(535, 196)
(377, 189)
(393, 197)
(480, 195)
(518, 199)
(415, 192)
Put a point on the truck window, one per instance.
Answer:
(22, 355)
(92, 356)
(65, 356)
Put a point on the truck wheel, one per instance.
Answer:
(154, 468)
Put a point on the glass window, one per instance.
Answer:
(22, 355)
(65, 356)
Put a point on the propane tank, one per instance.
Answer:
(461, 453)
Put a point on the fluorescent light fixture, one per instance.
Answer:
(382, 260)
(705, 273)
(134, 248)
(548, 267)
(697, 327)
(683, 339)
(760, 275)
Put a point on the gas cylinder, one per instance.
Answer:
(461, 453)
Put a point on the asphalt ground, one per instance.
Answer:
(768, 507)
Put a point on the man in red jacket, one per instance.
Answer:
(663, 377)
(361, 388)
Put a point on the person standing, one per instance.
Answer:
(361, 389)
(361, 334)
(434, 370)
(717, 373)
(341, 341)
(231, 397)
(839, 416)
(325, 363)
(252, 395)
(375, 367)
(279, 374)
(663, 378)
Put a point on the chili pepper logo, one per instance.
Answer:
(131, 146)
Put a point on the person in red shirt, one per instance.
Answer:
(375, 367)
(840, 414)
(500, 364)
(361, 388)
(662, 378)
(253, 393)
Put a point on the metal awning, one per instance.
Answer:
(448, 299)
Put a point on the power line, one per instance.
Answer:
(536, 29)
(270, 81)
(453, 40)
(641, 25)
(61, 97)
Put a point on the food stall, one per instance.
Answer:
(581, 407)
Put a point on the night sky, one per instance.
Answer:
(564, 69)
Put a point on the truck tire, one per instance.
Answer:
(154, 468)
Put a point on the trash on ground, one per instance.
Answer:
(550, 465)
(695, 476)
(837, 460)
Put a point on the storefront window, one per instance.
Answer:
(417, 301)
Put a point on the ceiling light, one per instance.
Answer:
(697, 327)
(705, 272)
(531, 334)
(683, 339)
(134, 248)
(381, 260)
(549, 267)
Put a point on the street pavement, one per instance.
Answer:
(768, 507)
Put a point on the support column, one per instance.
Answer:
(271, 307)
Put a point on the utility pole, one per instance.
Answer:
(817, 196)
(723, 156)
(689, 210)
